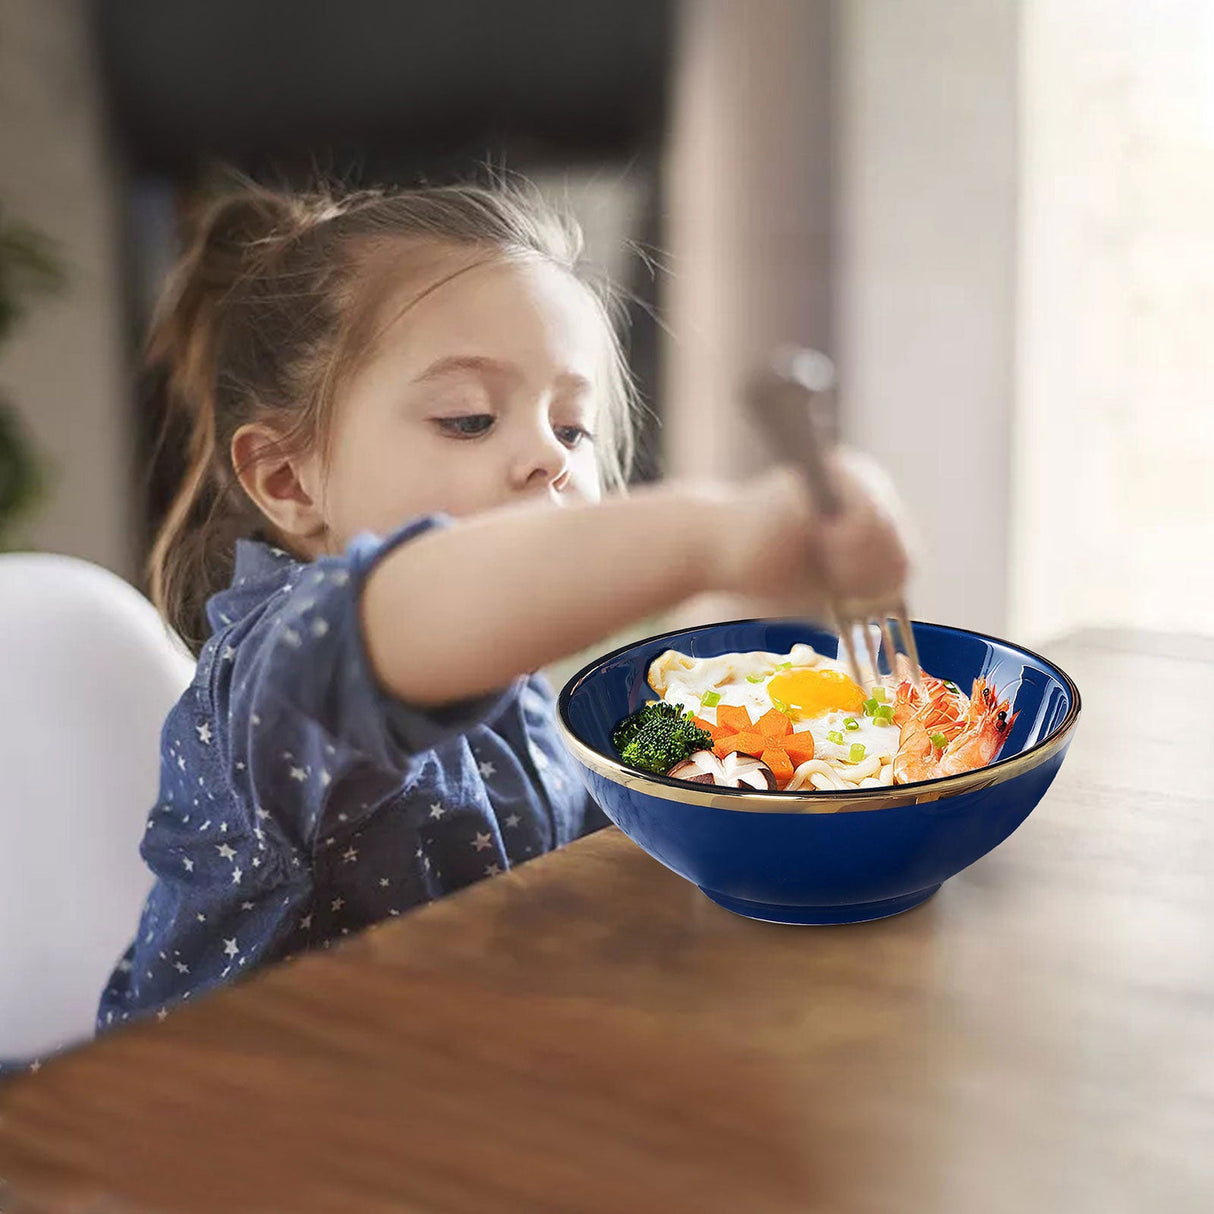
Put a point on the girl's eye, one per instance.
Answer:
(572, 436)
(469, 425)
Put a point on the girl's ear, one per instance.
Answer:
(283, 486)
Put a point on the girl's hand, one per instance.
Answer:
(774, 545)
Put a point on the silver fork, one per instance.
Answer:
(782, 400)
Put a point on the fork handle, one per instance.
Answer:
(781, 398)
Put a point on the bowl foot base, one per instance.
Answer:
(856, 912)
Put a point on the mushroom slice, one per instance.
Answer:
(701, 767)
(744, 771)
(734, 771)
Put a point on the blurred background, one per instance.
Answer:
(997, 217)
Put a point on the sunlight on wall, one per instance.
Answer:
(1113, 483)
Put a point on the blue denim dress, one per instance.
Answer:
(299, 802)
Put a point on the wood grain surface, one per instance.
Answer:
(589, 1033)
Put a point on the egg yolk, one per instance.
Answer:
(812, 693)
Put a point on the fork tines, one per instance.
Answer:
(850, 617)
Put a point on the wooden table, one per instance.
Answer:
(589, 1033)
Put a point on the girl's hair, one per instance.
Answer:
(269, 312)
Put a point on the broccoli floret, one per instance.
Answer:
(658, 736)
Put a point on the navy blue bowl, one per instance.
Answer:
(813, 857)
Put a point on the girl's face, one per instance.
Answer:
(482, 390)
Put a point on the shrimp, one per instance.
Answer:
(972, 730)
(944, 704)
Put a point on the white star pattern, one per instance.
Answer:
(163, 1014)
(35, 1067)
(305, 753)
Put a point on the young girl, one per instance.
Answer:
(405, 408)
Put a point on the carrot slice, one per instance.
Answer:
(718, 731)
(735, 719)
(780, 765)
(799, 747)
(774, 724)
(748, 743)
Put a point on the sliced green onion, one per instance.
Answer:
(710, 699)
(880, 694)
(779, 705)
(784, 666)
(939, 741)
(951, 687)
(755, 678)
(883, 721)
(884, 712)
(835, 736)
(850, 723)
(870, 708)
(858, 751)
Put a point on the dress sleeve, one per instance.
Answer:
(302, 683)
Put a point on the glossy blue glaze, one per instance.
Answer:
(827, 868)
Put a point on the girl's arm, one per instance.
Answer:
(463, 610)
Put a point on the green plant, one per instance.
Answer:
(29, 266)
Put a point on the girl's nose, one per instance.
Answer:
(543, 465)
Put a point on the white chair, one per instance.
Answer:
(87, 674)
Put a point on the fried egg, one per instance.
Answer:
(814, 691)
